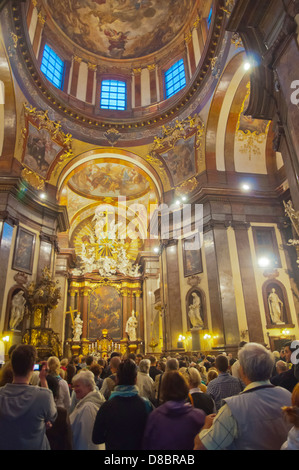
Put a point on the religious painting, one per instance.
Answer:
(44, 142)
(105, 310)
(107, 179)
(121, 29)
(24, 251)
(180, 160)
(192, 258)
(40, 150)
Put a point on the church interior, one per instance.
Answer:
(149, 198)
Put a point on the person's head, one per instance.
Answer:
(153, 360)
(281, 366)
(161, 365)
(288, 350)
(139, 358)
(193, 377)
(96, 369)
(114, 363)
(292, 412)
(83, 383)
(172, 364)
(212, 374)
(276, 355)
(53, 385)
(144, 365)
(282, 355)
(127, 373)
(115, 353)
(174, 386)
(23, 359)
(70, 372)
(132, 356)
(221, 363)
(256, 362)
(89, 361)
(54, 365)
(64, 362)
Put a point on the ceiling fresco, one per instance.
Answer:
(121, 29)
(108, 179)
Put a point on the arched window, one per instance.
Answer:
(53, 67)
(113, 95)
(175, 78)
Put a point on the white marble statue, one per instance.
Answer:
(77, 328)
(194, 312)
(17, 310)
(131, 327)
(275, 307)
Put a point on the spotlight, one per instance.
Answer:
(246, 187)
(263, 262)
(42, 195)
(247, 65)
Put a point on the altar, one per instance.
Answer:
(111, 314)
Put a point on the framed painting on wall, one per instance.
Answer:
(24, 251)
(192, 259)
(105, 312)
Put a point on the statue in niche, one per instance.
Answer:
(131, 327)
(17, 310)
(275, 308)
(194, 312)
(78, 327)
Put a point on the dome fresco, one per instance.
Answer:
(121, 29)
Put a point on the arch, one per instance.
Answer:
(111, 154)
(231, 77)
(8, 112)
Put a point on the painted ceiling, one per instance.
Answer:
(107, 179)
(121, 29)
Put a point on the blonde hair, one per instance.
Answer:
(192, 376)
(54, 365)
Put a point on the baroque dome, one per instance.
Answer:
(121, 29)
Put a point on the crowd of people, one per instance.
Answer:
(143, 403)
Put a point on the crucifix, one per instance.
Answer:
(71, 312)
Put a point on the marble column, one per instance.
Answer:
(173, 311)
(124, 294)
(221, 287)
(255, 329)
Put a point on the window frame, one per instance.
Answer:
(117, 81)
(61, 87)
(181, 59)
